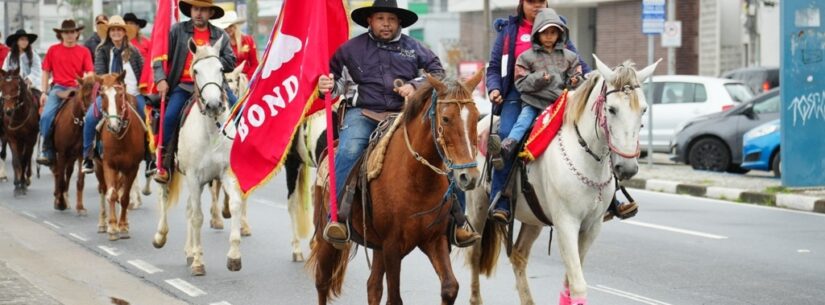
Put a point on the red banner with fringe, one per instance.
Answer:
(307, 34)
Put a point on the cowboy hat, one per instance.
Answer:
(133, 18)
(68, 25)
(230, 18)
(11, 41)
(406, 17)
(117, 22)
(186, 7)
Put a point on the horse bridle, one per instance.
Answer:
(198, 89)
(601, 122)
(21, 87)
(121, 121)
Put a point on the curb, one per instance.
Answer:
(788, 201)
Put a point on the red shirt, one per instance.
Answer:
(4, 51)
(248, 54)
(201, 38)
(144, 47)
(524, 40)
(67, 64)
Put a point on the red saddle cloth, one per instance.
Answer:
(545, 129)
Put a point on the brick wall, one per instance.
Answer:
(687, 57)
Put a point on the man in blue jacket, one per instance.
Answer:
(372, 61)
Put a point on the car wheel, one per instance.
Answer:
(776, 164)
(709, 154)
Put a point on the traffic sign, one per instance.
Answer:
(672, 35)
(653, 16)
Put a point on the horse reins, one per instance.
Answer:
(198, 89)
(122, 122)
(20, 102)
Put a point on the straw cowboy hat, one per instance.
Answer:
(68, 25)
(360, 15)
(11, 41)
(133, 18)
(186, 7)
(117, 22)
(230, 18)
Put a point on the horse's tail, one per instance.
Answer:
(326, 263)
(490, 248)
(173, 188)
(304, 211)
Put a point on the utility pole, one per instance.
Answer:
(488, 26)
(671, 51)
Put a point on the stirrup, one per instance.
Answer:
(337, 242)
(492, 211)
(467, 243)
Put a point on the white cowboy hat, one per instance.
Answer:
(117, 22)
(228, 19)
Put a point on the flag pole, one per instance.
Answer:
(333, 199)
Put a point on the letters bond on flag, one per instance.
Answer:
(285, 87)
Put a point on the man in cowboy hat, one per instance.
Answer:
(178, 83)
(65, 62)
(93, 41)
(373, 61)
(142, 43)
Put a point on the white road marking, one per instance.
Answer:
(51, 224)
(185, 287)
(675, 230)
(111, 250)
(628, 295)
(752, 206)
(270, 203)
(79, 237)
(144, 266)
(30, 215)
(221, 303)
(803, 251)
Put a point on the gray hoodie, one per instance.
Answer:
(560, 65)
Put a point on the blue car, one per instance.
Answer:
(761, 148)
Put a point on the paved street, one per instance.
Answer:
(678, 250)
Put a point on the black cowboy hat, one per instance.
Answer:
(68, 25)
(133, 18)
(11, 41)
(186, 7)
(406, 17)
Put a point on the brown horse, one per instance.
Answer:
(122, 140)
(20, 126)
(407, 209)
(68, 143)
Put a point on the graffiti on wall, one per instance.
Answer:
(807, 108)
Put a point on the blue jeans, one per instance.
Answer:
(525, 118)
(47, 118)
(353, 140)
(510, 112)
(92, 120)
(174, 108)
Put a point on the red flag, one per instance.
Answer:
(285, 87)
(165, 17)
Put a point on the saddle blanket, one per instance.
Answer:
(545, 128)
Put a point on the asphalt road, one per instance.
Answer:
(677, 250)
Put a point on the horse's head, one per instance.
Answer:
(619, 107)
(12, 87)
(237, 80)
(114, 101)
(206, 71)
(453, 117)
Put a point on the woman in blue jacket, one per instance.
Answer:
(514, 37)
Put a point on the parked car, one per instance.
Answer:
(678, 98)
(761, 148)
(760, 79)
(713, 142)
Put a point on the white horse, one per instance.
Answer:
(203, 155)
(573, 187)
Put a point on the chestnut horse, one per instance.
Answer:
(122, 140)
(20, 126)
(68, 143)
(408, 209)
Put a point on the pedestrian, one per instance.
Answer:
(243, 45)
(23, 57)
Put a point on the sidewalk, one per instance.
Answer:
(38, 266)
(756, 187)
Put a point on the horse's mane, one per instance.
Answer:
(625, 74)
(420, 98)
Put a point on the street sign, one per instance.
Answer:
(653, 16)
(672, 35)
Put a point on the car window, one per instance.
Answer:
(679, 93)
(739, 92)
(647, 94)
(768, 105)
(699, 93)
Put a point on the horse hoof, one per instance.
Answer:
(134, 206)
(18, 192)
(246, 232)
(101, 229)
(216, 224)
(198, 270)
(226, 214)
(233, 264)
(297, 257)
(189, 260)
(124, 234)
(4, 179)
(113, 236)
(159, 243)
(81, 212)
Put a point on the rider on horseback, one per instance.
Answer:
(66, 62)
(178, 83)
(373, 61)
(24, 58)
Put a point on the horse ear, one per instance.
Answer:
(471, 83)
(121, 76)
(604, 70)
(192, 46)
(436, 83)
(647, 71)
(217, 45)
(239, 68)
